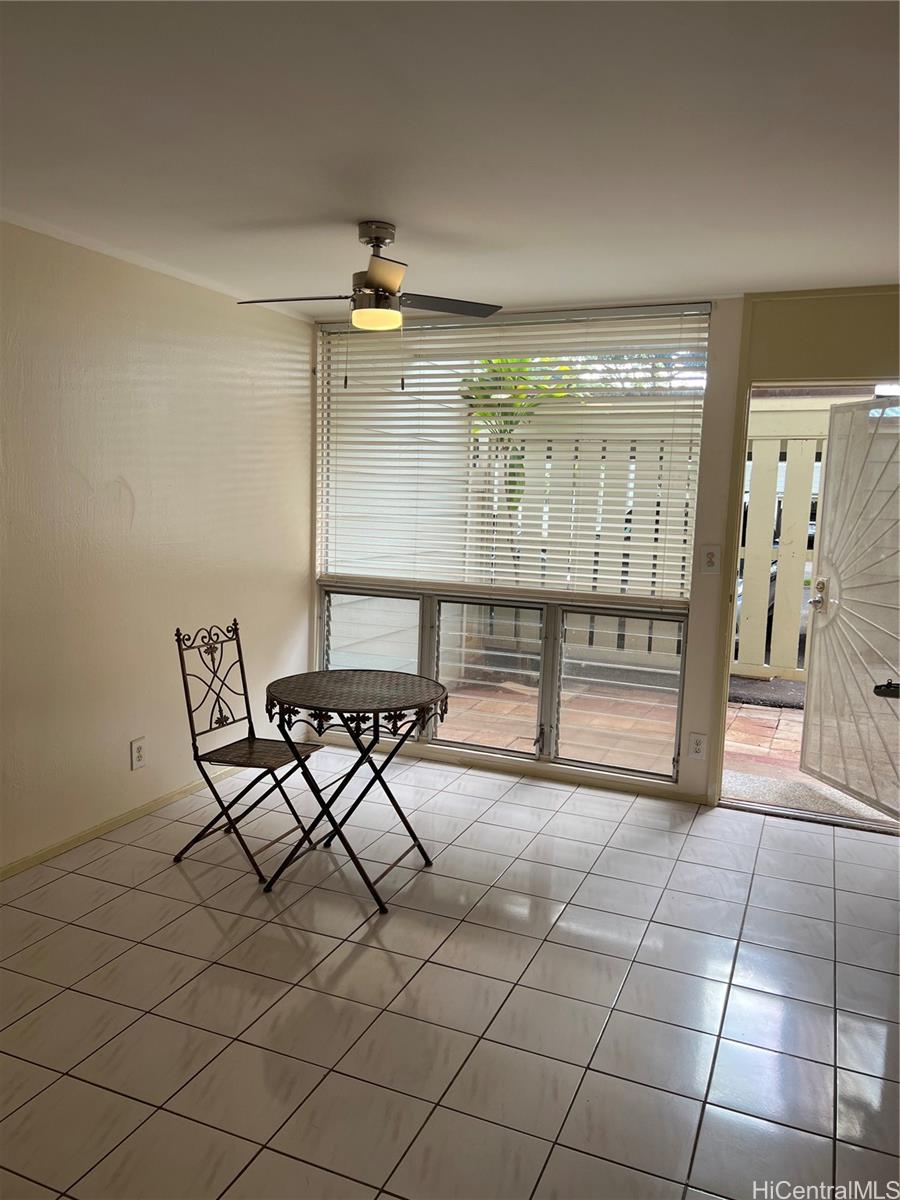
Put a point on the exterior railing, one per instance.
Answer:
(771, 610)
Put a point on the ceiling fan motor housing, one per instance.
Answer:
(377, 234)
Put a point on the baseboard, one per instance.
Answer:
(33, 860)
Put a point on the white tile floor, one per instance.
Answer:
(588, 995)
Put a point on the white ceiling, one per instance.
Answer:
(531, 153)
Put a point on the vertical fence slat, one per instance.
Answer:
(792, 553)
(585, 502)
(612, 505)
(758, 551)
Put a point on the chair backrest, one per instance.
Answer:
(215, 683)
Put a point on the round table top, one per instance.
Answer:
(356, 691)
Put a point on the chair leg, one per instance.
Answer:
(287, 799)
(231, 823)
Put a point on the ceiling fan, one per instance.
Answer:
(376, 301)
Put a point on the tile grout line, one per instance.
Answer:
(141, 1013)
(277, 916)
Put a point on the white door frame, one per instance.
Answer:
(730, 559)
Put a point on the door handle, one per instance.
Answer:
(889, 690)
(817, 602)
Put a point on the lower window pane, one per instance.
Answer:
(619, 691)
(375, 632)
(489, 659)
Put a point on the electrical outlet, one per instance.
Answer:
(697, 745)
(710, 560)
(138, 753)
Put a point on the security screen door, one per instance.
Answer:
(850, 729)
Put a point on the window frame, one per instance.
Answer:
(553, 608)
(642, 614)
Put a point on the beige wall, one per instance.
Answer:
(156, 451)
(809, 337)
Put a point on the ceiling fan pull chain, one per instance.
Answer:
(346, 358)
(402, 363)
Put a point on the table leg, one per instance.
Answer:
(379, 777)
(305, 844)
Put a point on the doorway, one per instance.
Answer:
(805, 729)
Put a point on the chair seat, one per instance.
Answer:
(263, 753)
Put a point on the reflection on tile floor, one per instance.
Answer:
(588, 995)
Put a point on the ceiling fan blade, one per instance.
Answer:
(291, 299)
(465, 308)
(385, 274)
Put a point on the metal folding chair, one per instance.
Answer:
(216, 695)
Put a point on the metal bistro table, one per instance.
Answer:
(364, 703)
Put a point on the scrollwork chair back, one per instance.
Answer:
(214, 679)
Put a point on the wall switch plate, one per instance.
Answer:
(138, 753)
(697, 745)
(710, 560)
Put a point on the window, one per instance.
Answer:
(378, 633)
(511, 507)
(619, 691)
(489, 659)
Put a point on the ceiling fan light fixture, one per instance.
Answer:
(376, 311)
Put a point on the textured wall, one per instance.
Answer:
(155, 442)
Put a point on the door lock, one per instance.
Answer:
(820, 590)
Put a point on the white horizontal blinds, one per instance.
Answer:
(559, 454)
